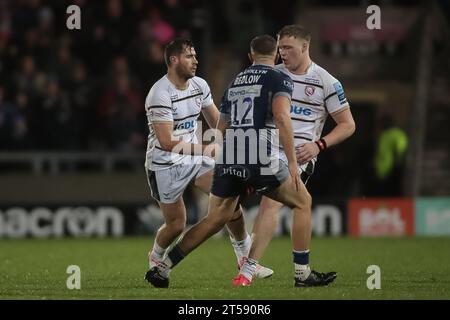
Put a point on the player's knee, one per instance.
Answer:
(270, 208)
(236, 215)
(176, 226)
(308, 199)
(216, 222)
(304, 201)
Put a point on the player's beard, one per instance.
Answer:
(184, 73)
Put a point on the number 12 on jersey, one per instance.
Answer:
(242, 112)
(242, 105)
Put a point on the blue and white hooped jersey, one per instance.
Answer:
(165, 103)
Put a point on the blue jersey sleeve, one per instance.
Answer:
(283, 85)
(225, 104)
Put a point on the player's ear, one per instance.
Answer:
(173, 59)
(250, 57)
(304, 46)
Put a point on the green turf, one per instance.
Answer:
(411, 268)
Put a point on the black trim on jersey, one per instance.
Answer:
(309, 170)
(298, 137)
(192, 115)
(301, 137)
(329, 96)
(311, 84)
(303, 120)
(274, 127)
(153, 184)
(209, 93)
(304, 102)
(188, 97)
(162, 164)
(159, 106)
(159, 148)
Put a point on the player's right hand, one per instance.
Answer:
(306, 151)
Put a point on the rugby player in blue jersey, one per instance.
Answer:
(255, 120)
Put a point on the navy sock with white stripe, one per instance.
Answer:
(175, 256)
(301, 257)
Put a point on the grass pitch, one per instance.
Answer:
(411, 268)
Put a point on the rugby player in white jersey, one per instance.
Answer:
(175, 157)
(316, 95)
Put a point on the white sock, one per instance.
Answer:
(237, 250)
(242, 247)
(248, 269)
(157, 253)
(302, 271)
(158, 250)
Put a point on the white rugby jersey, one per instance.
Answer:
(316, 94)
(165, 102)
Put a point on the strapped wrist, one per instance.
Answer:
(321, 143)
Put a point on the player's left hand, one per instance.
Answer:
(213, 151)
(306, 151)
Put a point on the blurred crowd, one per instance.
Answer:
(82, 89)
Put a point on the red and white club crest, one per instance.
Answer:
(309, 90)
(198, 101)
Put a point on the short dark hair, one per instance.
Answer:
(263, 44)
(176, 47)
(296, 31)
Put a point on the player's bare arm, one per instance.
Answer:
(168, 142)
(211, 114)
(223, 124)
(345, 127)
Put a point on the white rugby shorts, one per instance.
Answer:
(168, 185)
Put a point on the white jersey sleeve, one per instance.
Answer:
(334, 99)
(159, 105)
(207, 99)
